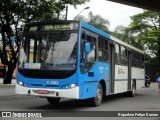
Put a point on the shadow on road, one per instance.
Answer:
(70, 104)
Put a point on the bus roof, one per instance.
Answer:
(52, 22)
(126, 44)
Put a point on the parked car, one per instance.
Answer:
(147, 81)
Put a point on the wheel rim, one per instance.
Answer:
(133, 90)
(99, 95)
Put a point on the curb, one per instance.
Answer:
(13, 81)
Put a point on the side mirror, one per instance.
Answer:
(87, 48)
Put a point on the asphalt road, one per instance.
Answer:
(146, 99)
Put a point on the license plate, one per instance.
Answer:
(42, 91)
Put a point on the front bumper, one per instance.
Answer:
(66, 93)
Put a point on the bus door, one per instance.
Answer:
(129, 69)
(112, 66)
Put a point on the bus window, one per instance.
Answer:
(103, 49)
(88, 60)
(117, 53)
(142, 60)
(123, 55)
(30, 46)
(47, 51)
(135, 59)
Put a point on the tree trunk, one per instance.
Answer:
(159, 53)
(8, 76)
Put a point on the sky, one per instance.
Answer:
(117, 14)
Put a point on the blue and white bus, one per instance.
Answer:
(71, 59)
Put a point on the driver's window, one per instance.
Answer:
(91, 57)
(87, 60)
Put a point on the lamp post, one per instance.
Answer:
(81, 11)
(66, 12)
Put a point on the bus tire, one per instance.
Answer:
(97, 100)
(53, 100)
(147, 84)
(133, 91)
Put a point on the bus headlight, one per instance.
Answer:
(69, 86)
(73, 85)
(20, 83)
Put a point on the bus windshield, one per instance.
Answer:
(48, 51)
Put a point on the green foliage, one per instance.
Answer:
(40, 10)
(124, 34)
(121, 33)
(96, 21)
(146, 27)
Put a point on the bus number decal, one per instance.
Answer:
(52, 82)
(101, 69)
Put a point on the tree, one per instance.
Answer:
(40, 10)
(146, 27)
(9, 17)
(123, 33)
(96, 21)
(14, 12)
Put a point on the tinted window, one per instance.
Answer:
(103, 49)
(123, 55)
(137, 59)
(88, 60)
(117, 54)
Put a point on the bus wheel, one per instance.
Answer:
(97, 100)
(133, 91)
(147, 84)
(53, 100)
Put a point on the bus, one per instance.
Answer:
(72, 59)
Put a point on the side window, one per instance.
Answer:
(133, 59)
(142, 60)
(123, 55)
(137, 60)
(117, 54)
(103, 49)
(88, 59)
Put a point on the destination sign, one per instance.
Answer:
(51, 27)
(34, 28)
(57, 27)
(71, 26)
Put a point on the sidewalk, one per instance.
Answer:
(13, 82)
(154, 85)
(7, 89)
